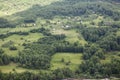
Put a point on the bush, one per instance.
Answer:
(13, 48)
(1, 51)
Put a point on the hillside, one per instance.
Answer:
(59, 39)
(8, 7)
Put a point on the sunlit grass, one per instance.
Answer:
(14, 67)
(12, 6)
(74, 58)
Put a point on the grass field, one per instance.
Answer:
(111, 55)
(71, 36)
(12, 66)
(74, 58)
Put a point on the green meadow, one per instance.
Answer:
(60, 60)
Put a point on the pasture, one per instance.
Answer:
(60, 60)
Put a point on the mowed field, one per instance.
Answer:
(60, 60)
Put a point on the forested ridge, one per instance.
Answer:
(62, 40)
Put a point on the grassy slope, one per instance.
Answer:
(8, 7)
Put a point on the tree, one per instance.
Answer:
(62, 60)
(5, 23)
(1, 51)
(13, 48)
(5, 59)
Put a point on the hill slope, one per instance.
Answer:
(57, 39)
(8, 7)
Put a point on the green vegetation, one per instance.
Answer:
(8, 7)
(18, 41)
(59, 39)
(12, 66)
(70, 60)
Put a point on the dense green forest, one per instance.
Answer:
(59, 39)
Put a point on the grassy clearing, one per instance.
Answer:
(111, 55)
(71, 35)
(11, 66)
(74, 58)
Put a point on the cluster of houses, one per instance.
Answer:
(31, 23)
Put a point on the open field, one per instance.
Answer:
(74, 58)
(71, 36)
(14, 67)
(109, 56)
